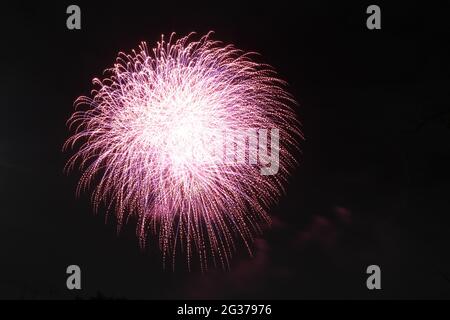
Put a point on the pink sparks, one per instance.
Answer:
(154, 141)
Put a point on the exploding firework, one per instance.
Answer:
(153, 141)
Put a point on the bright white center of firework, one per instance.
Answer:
(176, 128)
(184, 145)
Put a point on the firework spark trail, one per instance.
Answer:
(136, 137)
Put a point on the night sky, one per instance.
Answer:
(372, 186)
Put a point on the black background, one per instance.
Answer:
(373, 182)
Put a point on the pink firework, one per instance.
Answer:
(151, 141)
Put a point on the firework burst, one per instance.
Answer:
(144, 139)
